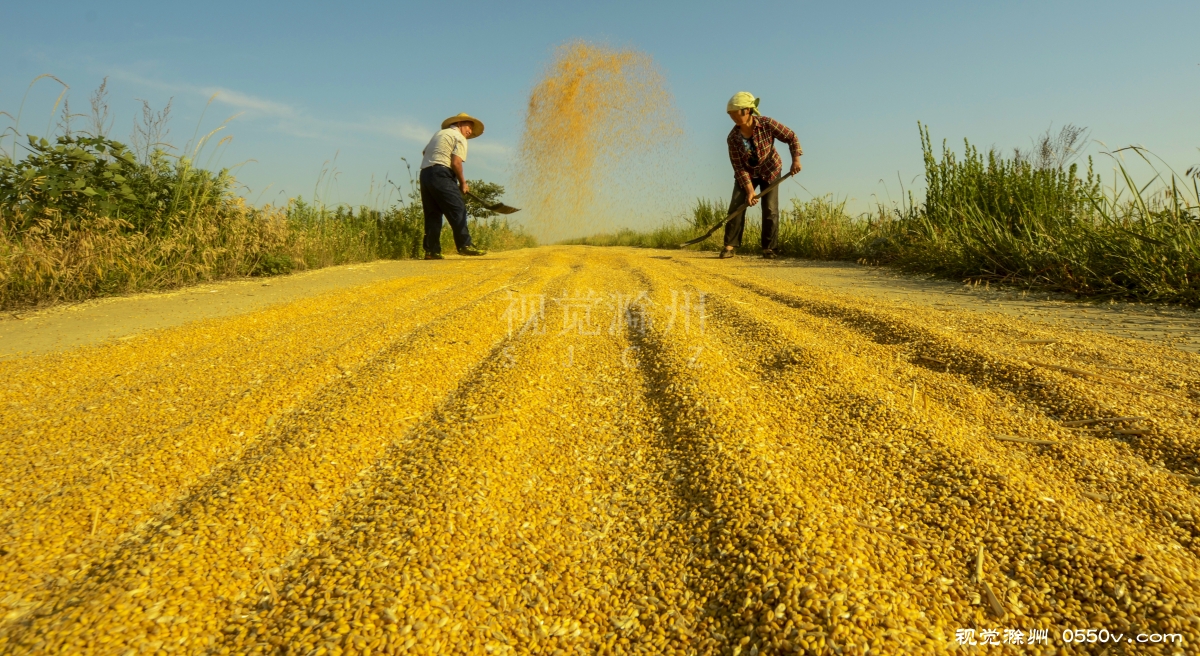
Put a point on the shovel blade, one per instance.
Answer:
(501, 208)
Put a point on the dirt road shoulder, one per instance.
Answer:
(79, 324)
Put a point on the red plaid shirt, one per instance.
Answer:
(766, 131)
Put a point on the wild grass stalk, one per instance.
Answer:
(1033, 219)
(818, 228)
(1012, 221)
(83, 216)
(98, 255)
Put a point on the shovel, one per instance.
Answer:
(499, 208)
(741, 208)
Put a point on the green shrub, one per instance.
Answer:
(84, 217)
(65, 179)
(1017, 195)
(273, 264)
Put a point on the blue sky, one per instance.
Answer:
(369, 82)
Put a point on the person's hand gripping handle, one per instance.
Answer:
(751, 197)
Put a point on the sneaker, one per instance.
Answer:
(769, 254)
(434, 256)
(471, 250)
(727, 252)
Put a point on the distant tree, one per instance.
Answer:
(488, 192)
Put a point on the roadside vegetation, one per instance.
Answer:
(83, 215)
(1039, 219)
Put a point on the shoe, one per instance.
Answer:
(434, 256)
(769, 254)
(471, 250)
(728, 252)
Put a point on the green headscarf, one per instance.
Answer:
(743, 100)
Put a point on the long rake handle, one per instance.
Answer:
(741, 208)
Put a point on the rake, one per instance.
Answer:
(741, 208)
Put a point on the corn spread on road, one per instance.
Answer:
(576, 450)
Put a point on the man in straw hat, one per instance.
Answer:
(755, 164)
(443, 185)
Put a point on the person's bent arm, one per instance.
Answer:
(456, 163)
(785, 134)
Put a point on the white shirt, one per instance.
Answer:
(444, 144)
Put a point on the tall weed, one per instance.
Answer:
(1033, 219)
(82, 215)
(1011, 221)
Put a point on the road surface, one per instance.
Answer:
(585, 450)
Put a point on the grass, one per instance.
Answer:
(82, 215)
(98, 255)
(1035, 220)
(819, 228)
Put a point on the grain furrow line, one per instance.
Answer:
(114, 437)
(1175, 443)
(843, 408)
(534, 528)
(86, 514)
(227, 538)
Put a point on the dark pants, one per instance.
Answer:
(441, 196)
(770, 216)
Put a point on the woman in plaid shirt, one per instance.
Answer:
(756, 164)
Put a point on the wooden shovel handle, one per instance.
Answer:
(741, 208)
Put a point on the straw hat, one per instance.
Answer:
(476, 124)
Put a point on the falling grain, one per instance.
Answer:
(598, 125)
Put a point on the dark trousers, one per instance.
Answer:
(441, 196)
(770, 216)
